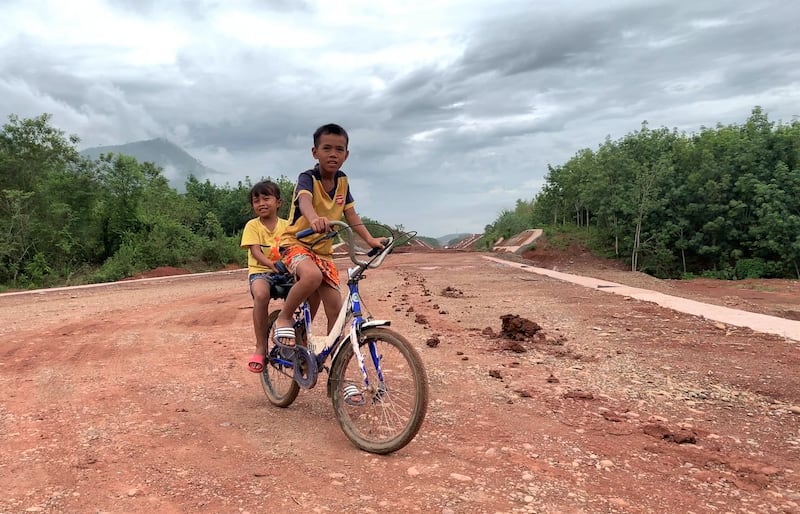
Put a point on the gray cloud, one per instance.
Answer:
(454, 113)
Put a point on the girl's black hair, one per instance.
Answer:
(267, 188)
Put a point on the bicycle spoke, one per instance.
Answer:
(277, 379)
(393, 410)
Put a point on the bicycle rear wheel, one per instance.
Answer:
(385, 416)
(277, 379)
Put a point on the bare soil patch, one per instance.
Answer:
(135, 397)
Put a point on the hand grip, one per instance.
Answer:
(304, 233)
(375, 251)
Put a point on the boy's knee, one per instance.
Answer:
(310, 274)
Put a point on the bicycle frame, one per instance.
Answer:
(376, 416)
(340, 333)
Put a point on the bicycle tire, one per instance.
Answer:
(277, 380)
(388, 419)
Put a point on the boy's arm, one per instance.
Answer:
(354, 220)
(318, 223)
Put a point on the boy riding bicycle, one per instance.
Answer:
(321, 194)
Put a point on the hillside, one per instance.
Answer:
(176, 162)
(450, 239)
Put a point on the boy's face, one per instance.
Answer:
(265, 206)
(331, 152)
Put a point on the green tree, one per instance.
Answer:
(16, 237)
(122, 186)
(722, 202)
(47, 201)
(30, 149)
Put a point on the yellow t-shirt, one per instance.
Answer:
(255, 233)
(328, 204)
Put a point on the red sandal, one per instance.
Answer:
(256, 364)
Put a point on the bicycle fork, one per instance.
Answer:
(357, 325)
(375, 391)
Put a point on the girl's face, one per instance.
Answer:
(265, 206)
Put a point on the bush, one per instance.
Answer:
(126, 262)
(751, 268)
(726, 273)
(168, 243)
(37, 270)
(223, 250)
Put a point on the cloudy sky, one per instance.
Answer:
(454, 107)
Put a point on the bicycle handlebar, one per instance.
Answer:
(304, 233)
(372, 263)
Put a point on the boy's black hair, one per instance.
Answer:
(331, 128)
(265, 187)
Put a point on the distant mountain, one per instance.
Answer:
(430, 241)
(452, 238)
(176, 162)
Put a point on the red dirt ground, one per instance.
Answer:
(134, 397)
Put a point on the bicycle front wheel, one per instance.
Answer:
(385, 414)
(277, 379)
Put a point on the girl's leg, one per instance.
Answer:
(260, 291)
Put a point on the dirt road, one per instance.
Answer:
(134, 397)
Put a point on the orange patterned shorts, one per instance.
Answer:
(294, 255)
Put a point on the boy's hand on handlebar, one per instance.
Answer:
(321, 225)
(374, 242)
(376, 245)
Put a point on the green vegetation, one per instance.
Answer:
(724, 203)
(67, 219)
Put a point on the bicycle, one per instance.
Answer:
(376, 380)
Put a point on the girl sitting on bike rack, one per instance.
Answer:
(260, 238)
(321, 194)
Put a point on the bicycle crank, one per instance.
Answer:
(305, 368)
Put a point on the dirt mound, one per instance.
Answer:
(563, 257)
(518, 328)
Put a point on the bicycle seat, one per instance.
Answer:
(280, 282)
